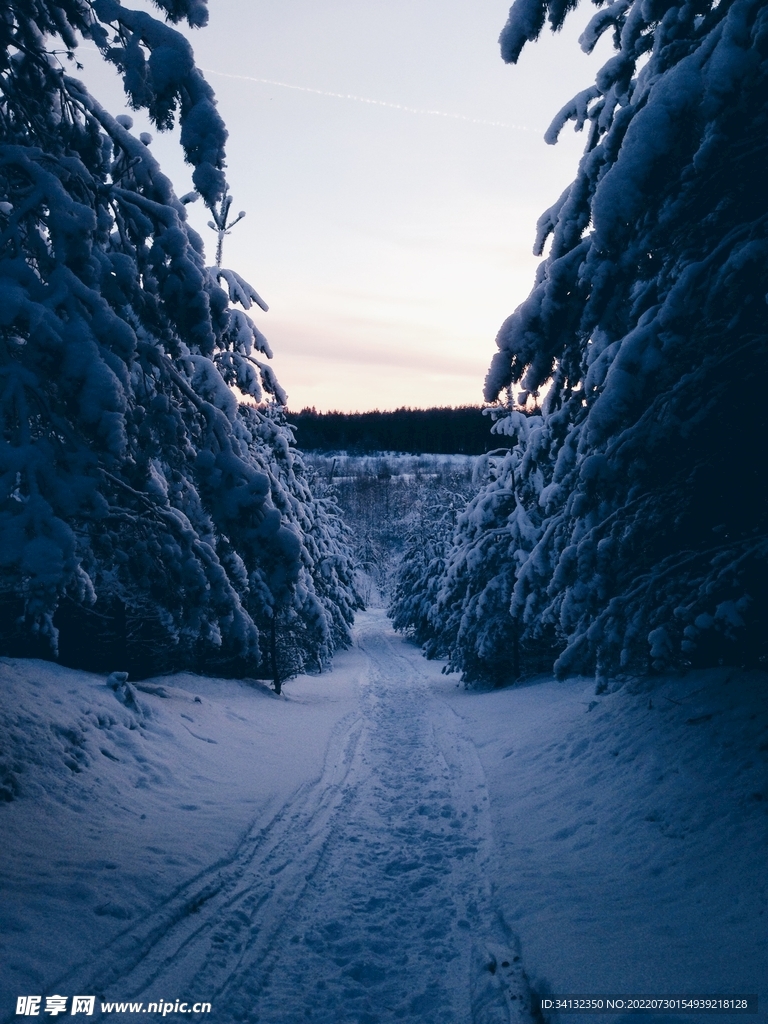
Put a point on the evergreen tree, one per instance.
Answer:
(146, 469)
(430, 527)
(643, 345)
(314, 613)
(492, 544)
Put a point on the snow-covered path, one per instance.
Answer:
(351, 851)
(365, 898)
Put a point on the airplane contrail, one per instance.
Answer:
(358, 99)
(365, 99)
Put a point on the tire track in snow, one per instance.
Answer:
(397, 921)
(166, 949)
(365, 899)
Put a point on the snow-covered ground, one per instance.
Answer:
(379, 844)
(631, 831)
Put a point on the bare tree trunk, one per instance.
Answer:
(121, 634)
(273, 654)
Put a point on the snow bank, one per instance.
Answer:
(625, 843)
(120, 797)
(631, 830)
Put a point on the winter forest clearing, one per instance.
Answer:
(320, 736)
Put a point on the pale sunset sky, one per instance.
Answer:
(390, 238)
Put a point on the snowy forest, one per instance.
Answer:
(626, 530)
(154, 512)
(153, 499)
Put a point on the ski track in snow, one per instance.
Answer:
(364, 899)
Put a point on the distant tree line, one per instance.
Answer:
(437, 431)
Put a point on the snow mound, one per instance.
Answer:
(113, 798)
(631, 829)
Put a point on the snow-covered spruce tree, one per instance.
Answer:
(644, 341)
(493, 541)
(312, 614)
(430, 526)
(143, 509)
